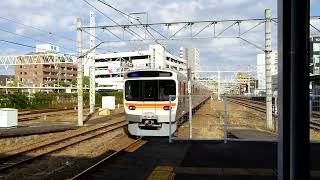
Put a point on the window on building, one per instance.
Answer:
(35, 66)
(316, 46)
(20, 72)
(25, 73)
(20, 67)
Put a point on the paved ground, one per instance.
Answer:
(206, 160)
(252, 134)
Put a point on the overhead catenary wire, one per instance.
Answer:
(125, 14)
(119, 11)
(38, 29)
(28, 45)
(37, 40)
(16, 43)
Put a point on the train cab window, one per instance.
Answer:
(166, 88)
(149, 90)
(132, 90)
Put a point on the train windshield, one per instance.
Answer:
(149, 90)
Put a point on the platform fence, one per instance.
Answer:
(314, 107)
(230, 118)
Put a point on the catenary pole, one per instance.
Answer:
(80, 72)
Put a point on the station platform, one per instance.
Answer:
(205, 160)
(250, 133)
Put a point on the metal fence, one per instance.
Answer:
(314, 107)
(236, 117)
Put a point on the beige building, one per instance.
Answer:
(192, 55)
(45, 74)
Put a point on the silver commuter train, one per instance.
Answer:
(146, 100)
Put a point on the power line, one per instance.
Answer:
(16, 43)
(104, 16)
(130, 31)
(93, 35)
(38, 29)
(119, 11)
(133, 33)
(125, 14)
(27, 45)
(28, 37)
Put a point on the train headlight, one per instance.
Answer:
(132, 107)
(166, 107)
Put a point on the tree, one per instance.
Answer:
(59, 83)
(85, 82)
(14, 83)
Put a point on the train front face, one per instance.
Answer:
(146, 102)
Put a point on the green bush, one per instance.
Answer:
(42, 100)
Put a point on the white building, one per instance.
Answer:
(111, 67)
(45, 48)
(261, 69)
(192, 55)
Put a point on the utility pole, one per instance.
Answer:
(268, 51)
(153, 57)
(249, 80)
(92, 63)
(6, 85)
(80, 72)
(190, 103)
(219, 85)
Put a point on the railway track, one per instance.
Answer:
(23, 155)
(259, 107)
(87, 172)
(249, 105)
(34, 114)
(315, 125)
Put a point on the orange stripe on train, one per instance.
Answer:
(149, 105)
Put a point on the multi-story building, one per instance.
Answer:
(45, 74)
(111, 67)
(246, 83)
(192, 55)
(315, 65)
(5, 79)
(47, 48)
(315, 56)
(261, 70)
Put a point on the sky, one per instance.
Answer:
(59, 18)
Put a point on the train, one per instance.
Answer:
(147, 103)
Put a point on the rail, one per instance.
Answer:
(89, 170)
(19, 156)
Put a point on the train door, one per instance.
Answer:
(149, 95)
